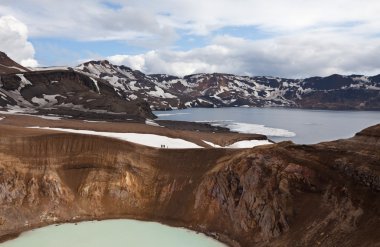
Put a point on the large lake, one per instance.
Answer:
(113, 233)
(299, 126)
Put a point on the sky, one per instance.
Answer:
(285, 38)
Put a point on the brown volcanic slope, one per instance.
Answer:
(8, 66)
(64, 92)
(278, 195)
(193, 132)
(101, 90)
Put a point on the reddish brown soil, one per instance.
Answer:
(277, 195)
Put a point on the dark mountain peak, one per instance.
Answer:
(164, 77)
(107, 65)
(335, 76)
(97, 62)
(2, 54)
(123, 67)
(355, 76)
(334, 81)
(8, 66)
(375, 78)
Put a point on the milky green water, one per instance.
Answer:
(112, 233)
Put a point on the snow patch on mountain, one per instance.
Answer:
(159, 93)
(96, 84)
(212, 144)
(221, 90)
(46, 100)
(13, 67)
(24, 82)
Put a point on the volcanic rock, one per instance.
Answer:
(277, 195)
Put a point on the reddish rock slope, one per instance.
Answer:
(278, 195)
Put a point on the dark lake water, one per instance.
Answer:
(299, 126)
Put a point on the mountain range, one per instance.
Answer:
(101, 89)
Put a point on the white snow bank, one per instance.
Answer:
(248, 144)
(152, 123)
(25, 111)
(241, 144)
(13, 67)
(248, 128)
(47, 117)
(212, 144)
(159, 93)
(93, 121)
(150, 140)
(49, 68)
(16, 110)
(23, 82)
(96, 84)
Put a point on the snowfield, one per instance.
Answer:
(241, 144)
(249, 144)
(152, 123)
(150, 140)
(24, 112)
(212, 144)
(247, 128)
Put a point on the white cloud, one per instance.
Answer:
(155, 22)
(90, 20)
(307, 37)
(14, 41)
(137, 61)
(275, 15)
(311, 54)
(30, 62)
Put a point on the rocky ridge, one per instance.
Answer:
(99, 89)
(66, 92)
(226, 90)
(8, 66)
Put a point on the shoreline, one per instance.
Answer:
(272, 107)
(189, 131)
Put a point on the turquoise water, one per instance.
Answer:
(309, 126)
(112, 233)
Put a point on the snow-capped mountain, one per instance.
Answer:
(66, 92)
(131, 84)
(225, 90)
(100, 88)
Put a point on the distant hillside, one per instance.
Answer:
(65, 92)
(226, 90)
(100, 88)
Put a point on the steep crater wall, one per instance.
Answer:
(283, 194)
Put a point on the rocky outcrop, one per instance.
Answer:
(278, 195)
